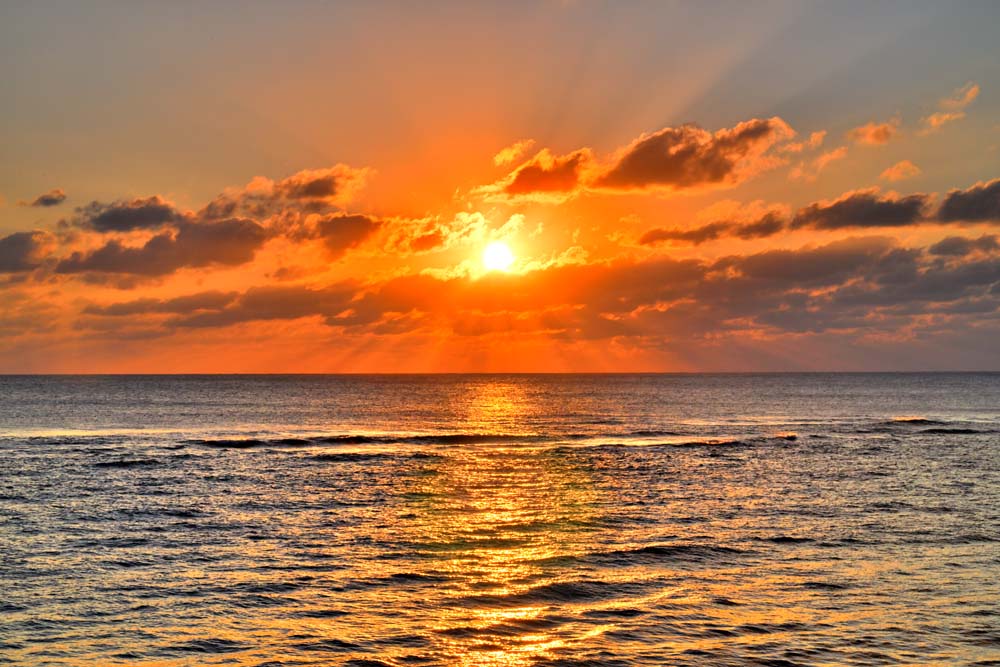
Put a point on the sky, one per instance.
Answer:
(311, 186)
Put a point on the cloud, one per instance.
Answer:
(307, 191)
(810, 171)
(952, 106)
(980, 203)
(960, 246)
(512, 152)
(863, 208)
(814, 141)
(939, 119)
(342, 232)
(860, 285)
(23, 251)
(210, 300)
(698, 235)
(689, 157)
(671, 159)
(228, 242)
(961, 97)
(546, 173)
(274, 303)
(874, 134)
(766, 225)
(900, 171)
(53, 197)
(825, 265)
(126, 216)
(339, 182)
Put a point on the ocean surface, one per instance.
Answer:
(619, 520)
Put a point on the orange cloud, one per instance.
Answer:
(874, 134)
(514, 151)
(546, 173)
(953, 106)
(900, 171)
(961, 97)
(814, 141)
(669, 160)
(810, 171)
(690, 157)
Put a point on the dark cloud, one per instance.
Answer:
(339, 233)
(825, 265)
(674, 158)
(688, 156)
(211, 300)
(308, 191)
(697, 236)
(51, 198)
(229, 242)
(980, 203)
(325, 183)
(22, 251)
(274, 303)
(959, 246)
(768, 224)
(546, 173)
(863, 208)
(126, 216)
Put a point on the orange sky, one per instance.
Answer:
(667, 210)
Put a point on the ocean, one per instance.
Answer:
(507, 520)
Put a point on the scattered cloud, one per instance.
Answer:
(690, 157)
(814, 141)
(511, 153)
(874, 134)
(900, 171)
(669, 160)
(768, 224)
(53, 197)
(547, 173)
(952, 108)
(126, 216)
(810, 171)
(961, 97)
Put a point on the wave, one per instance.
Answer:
(432, 439)
(561, 592)
(127, 463)
(915, 420)
(649, 555)
(952, 431)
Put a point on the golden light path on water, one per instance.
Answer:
(592, 546)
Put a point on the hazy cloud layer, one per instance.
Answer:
(856, 284)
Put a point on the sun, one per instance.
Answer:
(497, 256)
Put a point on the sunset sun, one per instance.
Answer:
(497, 256)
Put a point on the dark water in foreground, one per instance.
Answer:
(500, 520)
